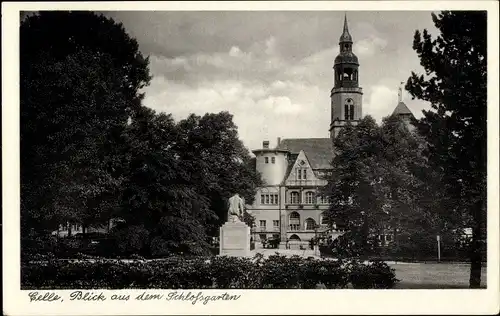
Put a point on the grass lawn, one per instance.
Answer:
(434, 275)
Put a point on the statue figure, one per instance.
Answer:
(236, 209)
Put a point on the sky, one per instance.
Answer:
(273, 69)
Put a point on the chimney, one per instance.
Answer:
(278, 142)
(265, 144)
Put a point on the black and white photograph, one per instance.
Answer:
(192, 156)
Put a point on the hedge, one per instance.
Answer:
(221, 272)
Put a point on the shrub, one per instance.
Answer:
(374, 275)
(280, 272)
(277, 272)
(232, 272)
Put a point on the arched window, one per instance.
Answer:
(294, 197)
(310, 224)
(294, 237)
(294, 221)
(349, 109)
(309, 197)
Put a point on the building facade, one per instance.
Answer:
(290, 205)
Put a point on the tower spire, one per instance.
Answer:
(346, 28)
(345, 37)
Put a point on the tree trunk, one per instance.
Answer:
(476, 254)
(365, 234)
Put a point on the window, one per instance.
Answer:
(324, 199)
(266, 159)
(294, 221)
(323, 220)
(301, 174)
(269, 199)
(349, 109)
(310, 224)
(273, 160)
(262, 224)
(276, 224)
(309, 197)
(263, 237)
(294, 197)
(388, 237)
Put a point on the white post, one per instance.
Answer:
(439, 247)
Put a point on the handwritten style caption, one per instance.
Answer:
(95, 296)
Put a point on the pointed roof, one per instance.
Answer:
(401, 109)
(317, 150)
(345, 37)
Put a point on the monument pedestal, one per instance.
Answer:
(234, 239)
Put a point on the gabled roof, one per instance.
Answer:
(318, 150)
(294, 164)
(401, 109)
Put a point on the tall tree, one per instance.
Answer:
(215, 154)
(161, 200)
(354, 185)
(80, 79)
(380, 181)
(455, 128)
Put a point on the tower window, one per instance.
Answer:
(273, 160)
(349, 109)
(266, 159)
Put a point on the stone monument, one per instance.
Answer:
(235, 234)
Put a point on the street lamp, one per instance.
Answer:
(315, 244)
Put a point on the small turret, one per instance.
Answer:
(402, 110)
(271, 163)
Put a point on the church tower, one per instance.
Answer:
(346, 95)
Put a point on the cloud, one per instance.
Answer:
(380, 102)
(271, 70)
(369, 46)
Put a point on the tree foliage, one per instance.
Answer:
(455, 128)
(79, 82)
(91, 151)
(380, 184)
